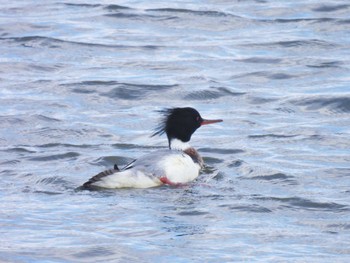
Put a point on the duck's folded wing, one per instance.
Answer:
(98, 177)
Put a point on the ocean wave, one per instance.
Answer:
(296, 43)
(44, 158)
(211, 13)
(212, 93)
(330, 105)
(330, 8)
(306, 204)
(52, 42)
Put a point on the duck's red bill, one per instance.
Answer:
(205, 122)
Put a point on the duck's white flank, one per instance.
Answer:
(128, 179)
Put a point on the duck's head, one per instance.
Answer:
(180, 123)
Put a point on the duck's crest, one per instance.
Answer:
(161, 128)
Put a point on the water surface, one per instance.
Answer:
(80, 86)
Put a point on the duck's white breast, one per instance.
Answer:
(180, 168)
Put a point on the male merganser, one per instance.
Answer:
(177, 165)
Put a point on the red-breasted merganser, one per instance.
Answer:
(177, 165)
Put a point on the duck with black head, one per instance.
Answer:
(177, 165)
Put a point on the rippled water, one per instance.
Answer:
(80, 83)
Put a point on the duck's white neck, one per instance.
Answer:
(176, 144)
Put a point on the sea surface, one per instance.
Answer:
(80, 86)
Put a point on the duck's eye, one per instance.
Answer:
(197, 119)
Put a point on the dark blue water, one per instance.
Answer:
(80, 84)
